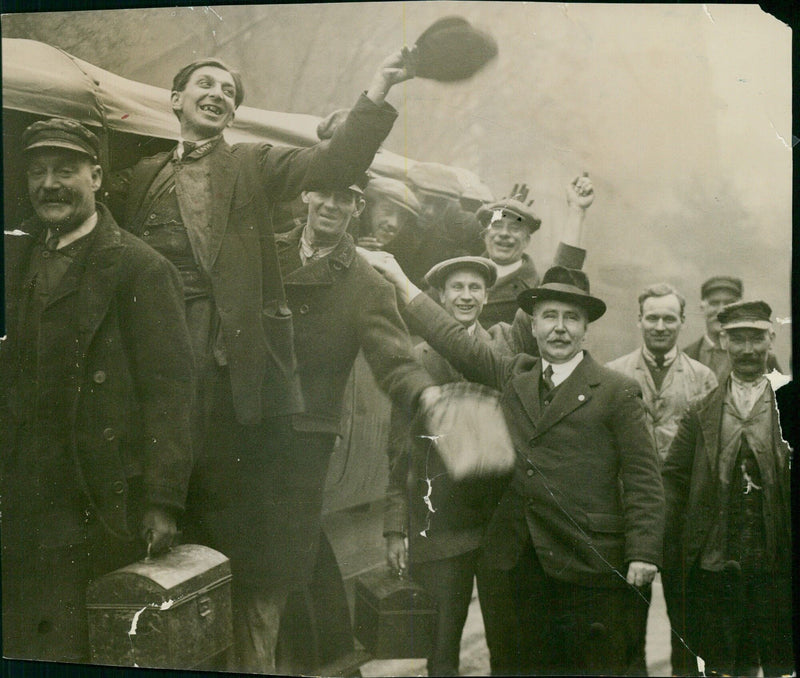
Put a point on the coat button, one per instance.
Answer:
(304, 309)
(336, 266)
(146, 233)
(152, 216)
(99, 377)
(46, 254)
(118, 486)
(109, 433)
(529, 472)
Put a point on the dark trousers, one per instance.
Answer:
(683, 657)
(744, 619)
(565, 628)
(449, 582)
(638, 610)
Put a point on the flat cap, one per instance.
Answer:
(395, 192)
(563, 284)
(432, 177)
(437, 276)
(754, 314)
(509, 206)
(722, 282)
(61, 133)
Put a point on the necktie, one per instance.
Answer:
(188, 147)
(547, 378)
(660, 359)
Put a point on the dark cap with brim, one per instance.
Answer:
(722, 282)
(61, 133)
(438, 274)
(496, 210)
(750, 314)
(396, 192)
(563, 284)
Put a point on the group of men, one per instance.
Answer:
(171, 361)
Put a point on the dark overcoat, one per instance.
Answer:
(246, 180)
(691, 487)
(586, 488)
(131, 383)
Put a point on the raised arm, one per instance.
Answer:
(467, 354)
(580, 196)
(341, 160)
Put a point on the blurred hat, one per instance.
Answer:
(433, 177)
(437, 276)
(395, 192)
(563, 284)
(755, 314)
(509, 206)
(360, 184)
(61, 133)
(328, 124)
(722, 282)
(451, 49)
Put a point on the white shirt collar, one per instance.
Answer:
(471, 328)
(669, 356)
(562, 371)
(85, 228)
(745, 393)
(710, 342)
(308, 251)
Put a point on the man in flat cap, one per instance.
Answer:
(582, 518)
(390, 212)
(444, 521)
(728, 528)
(716, 293)
(206, 206)
(341, 306)
(97, 381)
(670, 380)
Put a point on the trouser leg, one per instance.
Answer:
(256, 622)
(636, 629)
(684, 661)
(770, 606)
(499, 620)
(449, 582)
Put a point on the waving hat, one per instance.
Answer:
(451, 49)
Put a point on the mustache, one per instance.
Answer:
(57, 195)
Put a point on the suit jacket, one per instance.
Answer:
(342, 305)
(132, 380)
(246, 181)
(686, 381)
(691, 484)
(586, 488)
(462, 510)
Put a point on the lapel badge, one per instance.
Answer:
(581, 397)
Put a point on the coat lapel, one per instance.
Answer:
(224, 172)
(710, 418)
(526, 386)
(143, 175)
(574, 392)
(98, 282)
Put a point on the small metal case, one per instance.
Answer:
(173, 611)
(394, 617)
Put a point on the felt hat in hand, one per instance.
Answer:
(451, 49)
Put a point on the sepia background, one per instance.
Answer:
(681, 115)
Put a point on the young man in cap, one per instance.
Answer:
(97, 382)
(445, 521)
(390, 213)
(670, 380)
(728, 529)
(582, 518)
(206, 207)
(716, 293)
(341, 306)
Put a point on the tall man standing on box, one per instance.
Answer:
(206, 206)
(97, 381)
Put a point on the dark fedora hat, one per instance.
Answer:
(563, 284)
(451, 49)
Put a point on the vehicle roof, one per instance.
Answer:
(45, 80)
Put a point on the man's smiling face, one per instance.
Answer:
(207, 104)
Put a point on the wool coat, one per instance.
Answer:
(586, 489)
(131, 381)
